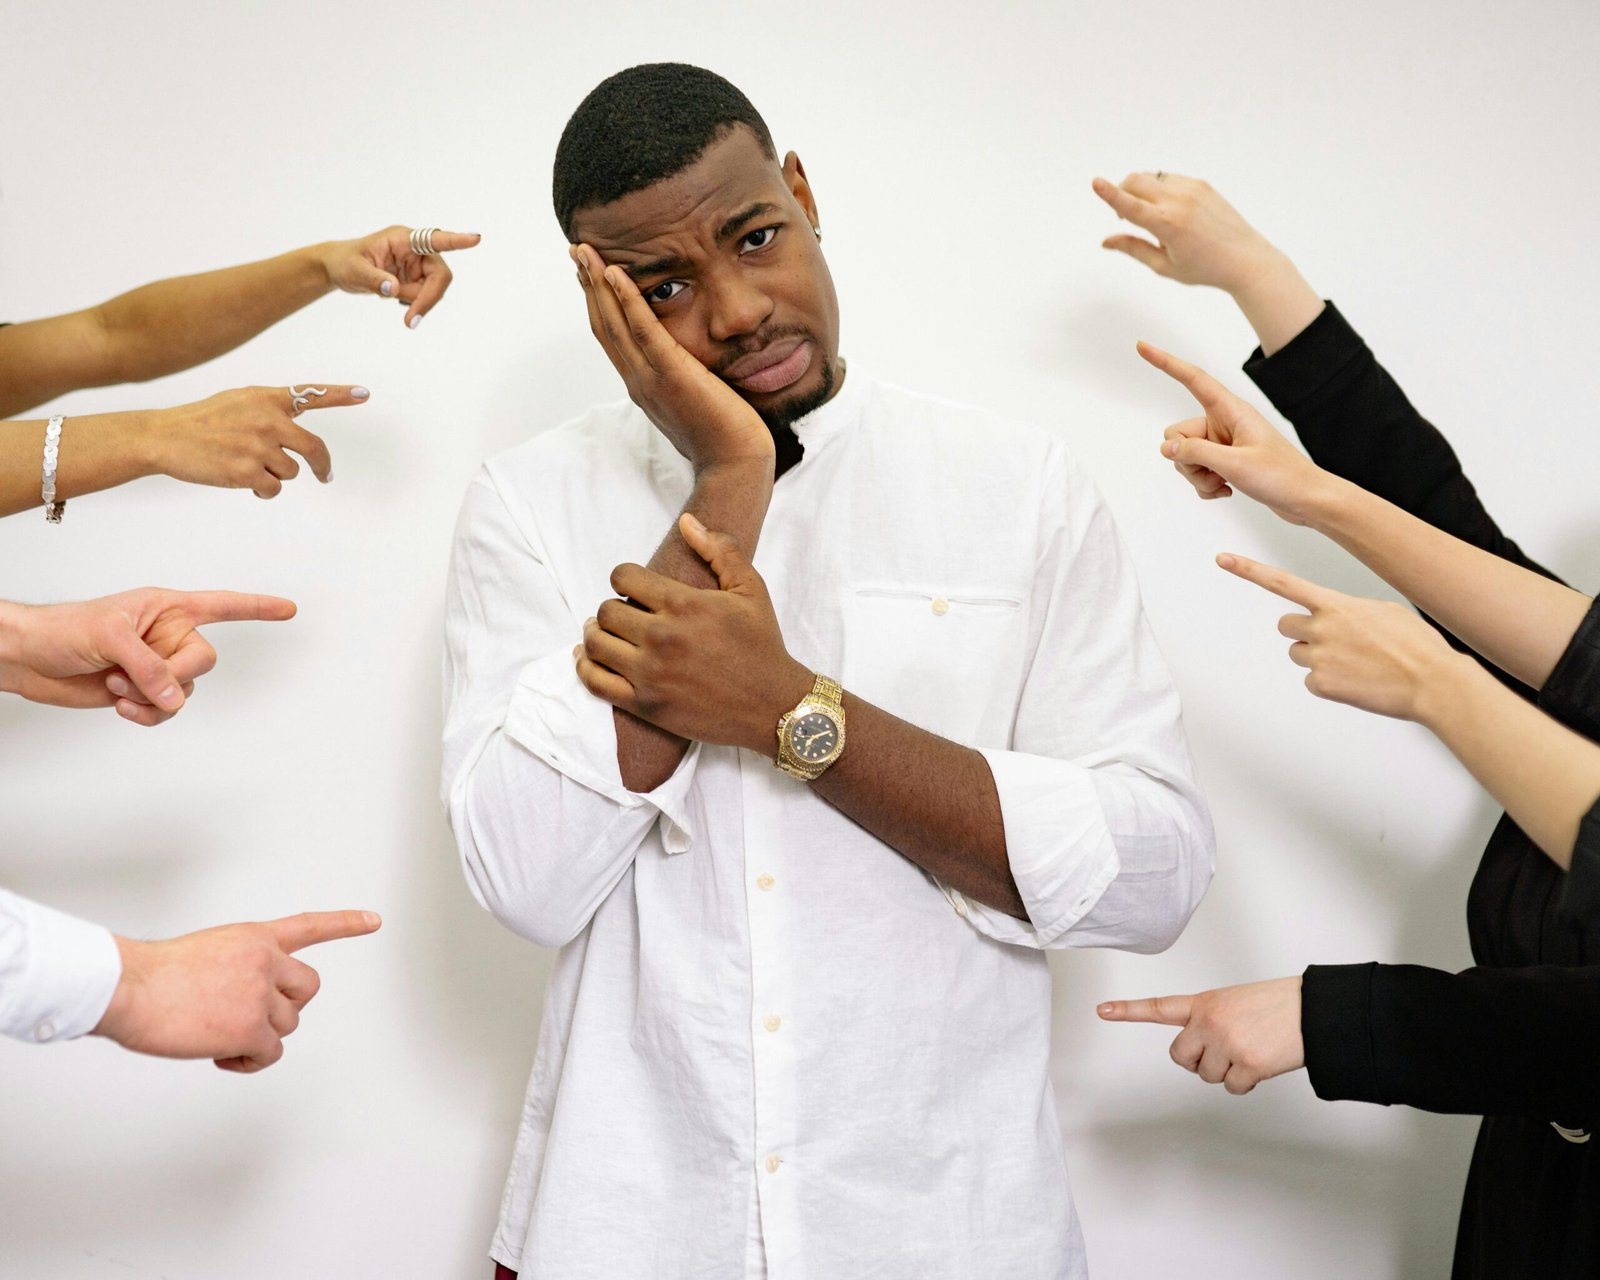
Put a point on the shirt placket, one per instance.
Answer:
(774, 1024)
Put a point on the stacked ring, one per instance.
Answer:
(422, 241)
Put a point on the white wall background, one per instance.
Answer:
(1430, 165)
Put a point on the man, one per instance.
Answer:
(799, 1025)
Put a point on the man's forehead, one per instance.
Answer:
(732, 174)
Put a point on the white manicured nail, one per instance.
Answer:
(413, 322)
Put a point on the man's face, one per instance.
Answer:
(726, 255)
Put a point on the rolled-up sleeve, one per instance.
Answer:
(1108, 837)
(545, 826)
(57, 973)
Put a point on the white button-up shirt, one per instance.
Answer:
(769, 1039)
(57, 973)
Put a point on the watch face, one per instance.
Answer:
(814, 737)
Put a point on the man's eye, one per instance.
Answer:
(666, 291)
(758, 239)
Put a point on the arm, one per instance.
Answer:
(722, 437)
(175, 324)
(1089, 833)
(1483, 1042)
(1383, 658)
(545, 825)
(236, 439)
(1511, 616)
(1350, 414)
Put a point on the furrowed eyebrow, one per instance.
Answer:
(658, 267)
(734, 225)
(674, 266)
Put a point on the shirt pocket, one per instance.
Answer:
(948, 660)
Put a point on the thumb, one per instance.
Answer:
(719, 550)
(149, 673)
(1201, 453)
(363, 275)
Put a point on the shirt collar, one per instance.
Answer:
(838, 414)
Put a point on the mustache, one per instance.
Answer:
(759, 341)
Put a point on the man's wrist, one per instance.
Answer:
(756, 469)
(790, 687)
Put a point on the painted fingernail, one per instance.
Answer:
(413, 322)
(359, 393)
(170, 697)
(118, 686)
(387, 288)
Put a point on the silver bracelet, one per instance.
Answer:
(52, 451)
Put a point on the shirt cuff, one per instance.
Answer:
(1572, 693)
(553, 716)
(70, 970)
(1580, 891)
(1302, 366)
(1058, 846)
(1336, 1030)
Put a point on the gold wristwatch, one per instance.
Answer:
(811, 737)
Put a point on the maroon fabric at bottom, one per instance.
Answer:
(503, 1272)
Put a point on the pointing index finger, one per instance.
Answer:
(1201, 385)
(1278, 581)
(1172, 1011)
(238, 606)
(450, 241)
(311, 927)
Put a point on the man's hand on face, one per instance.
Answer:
(706, 420)
(707, 665)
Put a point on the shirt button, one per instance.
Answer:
(941, 606)
(773, 1022)
(773, 1162)
(765, 882)
(45, 1031)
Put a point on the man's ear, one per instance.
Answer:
(794, 176)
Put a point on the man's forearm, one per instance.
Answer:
(1544, 775)
(928, 798)
(176, 324)
(1518, 620)
(733, 497)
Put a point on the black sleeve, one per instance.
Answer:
(1572, 696)
(1522, 1042)
(1356, 422)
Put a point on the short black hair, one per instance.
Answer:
(643, 125)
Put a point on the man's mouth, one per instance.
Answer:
(774, 367)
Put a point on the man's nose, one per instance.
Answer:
(738, 307)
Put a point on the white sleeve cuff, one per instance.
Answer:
(67, 973)
(553, 716)
(1058, 845)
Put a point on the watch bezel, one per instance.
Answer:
(811, 706)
